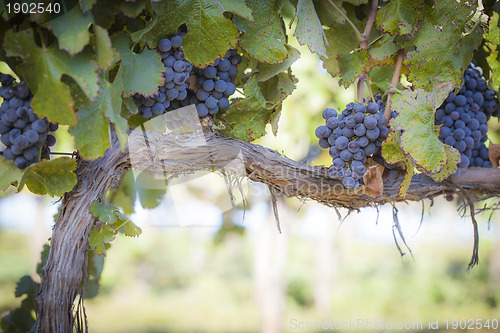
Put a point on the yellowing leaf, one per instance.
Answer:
(416, 117)
(54, 177)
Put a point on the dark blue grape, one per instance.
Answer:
(341, 142)
(202, 109)
(363, 141)
(373, 134)
(345, 155)
(176, 41)
(370, 149)
(210, 72)
(358, 107)
(164, 45)
(460, 100)
(459, 134)
(359, 129)
(338, 163)
(349, 182)
(370, 122)
(220, 86)
(328, 113)
(372, 107)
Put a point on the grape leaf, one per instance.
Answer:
(148, 197)
(444, 44)
(142, 72)
(341, 40)
(357, 2)
(132, 9)
(327, 14)
(54, 177)
(416, 117)
(104, 212)
(383, 48)
(9, 173)
(105, 11)
(25, 286)
(72, 29)
(493, 41)
(353, 66)
(451, 166)
(105, 53)
(237, 7)
(401, 17)
(125, 195)
(131, 230)
(209, 36)
(99, 237)
(42, 69)
(309, 30)
(380, 77)
(279, 87)
(87, 4)
(245, 125)
(267, 71)
(391, 148)
(111, 104)
(264, 39)
(405, 184)
(92, 130)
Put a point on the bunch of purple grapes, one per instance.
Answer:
(25, 136)
(174, 89)
(463, 118)
(351, 136)
(213, 83)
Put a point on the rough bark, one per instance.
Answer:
(175, 154)
(62, 275)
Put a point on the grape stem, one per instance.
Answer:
(364, 44)
(356, 31)
(394, 84)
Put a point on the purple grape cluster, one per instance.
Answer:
(463, 118)
(351, 136)
(174, 89)
(23, 133)
(212, 88)
(214, 84)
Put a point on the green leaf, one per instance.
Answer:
(25, 286)
(105, 53)
(104, 212)
(279, 87)
(391, 148)
(131, 230)
(383, 48)
(246, 119)
(405, 184)
(92, 130)
(111, 104)
(309, 30)
(401, 17)
(72, 29)
(142, 72)
(416, 117)
(9, 173)
(493, 41)
(99, 237)
(264, 39)
(341, 40)
(444, 46)
(380, 77)
(352, 66)
(209, 36)
(132, 9)
(267, 71)
(105, 12)
(327, 14)
(87, 4)
(147, 189)
(237, 7)
(125, 195)
(451, 166)
(54, 177)
(42, 69)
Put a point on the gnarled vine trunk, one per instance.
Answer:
(173, 154)
(62, 275)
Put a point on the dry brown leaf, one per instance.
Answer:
(494, 154)
(373, 179)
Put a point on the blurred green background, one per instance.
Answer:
(202, 266)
